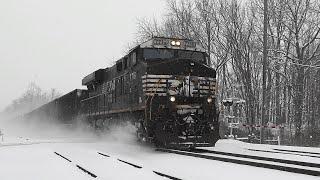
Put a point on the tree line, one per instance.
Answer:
(231, 31)
(31, 99)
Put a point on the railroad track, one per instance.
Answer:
(251, 160)
(140, 167)
(89, 172)
(285, 161)
(296, 151)
(284, 152)
(77, 165)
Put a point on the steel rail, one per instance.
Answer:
(140, 167)
(245, 162)
(276, 152)
(78, 166)
(285, 161)
(296, 151)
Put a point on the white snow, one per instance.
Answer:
(36, 163)
(234, 146)
(22, 157)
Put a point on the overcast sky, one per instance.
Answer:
(55, 43)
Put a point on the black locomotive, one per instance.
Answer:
(164, 86)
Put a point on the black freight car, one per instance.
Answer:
(165, 87)
(64, 109)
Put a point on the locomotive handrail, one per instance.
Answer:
(153, 97)
(91, 97)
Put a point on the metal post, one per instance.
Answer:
(231, 129)
(1, 134)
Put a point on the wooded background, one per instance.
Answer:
(231, 31)
(31, 99)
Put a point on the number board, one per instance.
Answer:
(190, 44)
(163, 42)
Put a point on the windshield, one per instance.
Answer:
(158, 53)
(191, 55)
(171, 53)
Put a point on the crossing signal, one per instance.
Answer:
(227, 102)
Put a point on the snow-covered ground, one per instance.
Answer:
(34, 158)
(233, 146)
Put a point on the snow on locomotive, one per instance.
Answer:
(165, 87)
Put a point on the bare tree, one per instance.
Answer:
(29, 100)
(231, 32)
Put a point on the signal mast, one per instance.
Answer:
(233, 113)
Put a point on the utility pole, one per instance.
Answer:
(264, 64)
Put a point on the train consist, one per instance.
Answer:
(164, 86)
(64, 109)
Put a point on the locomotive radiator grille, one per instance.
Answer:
(190, 86)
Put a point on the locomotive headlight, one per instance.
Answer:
(172, 99)
(209, 99)
(178, 43)
(173, 43)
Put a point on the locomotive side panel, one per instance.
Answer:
(119, 93)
